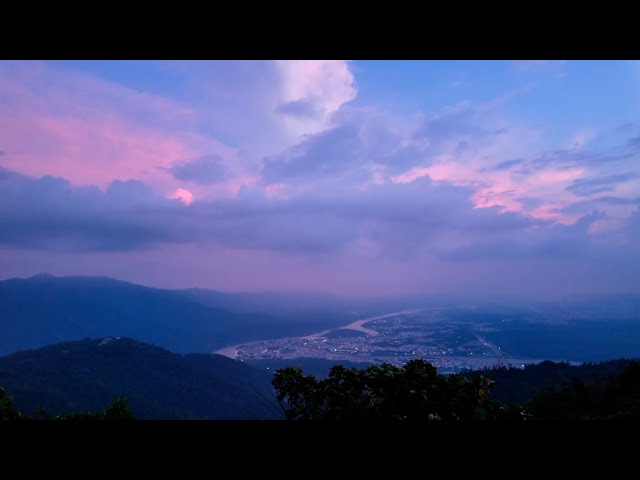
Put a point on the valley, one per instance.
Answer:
(451, 342)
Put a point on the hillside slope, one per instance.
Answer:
(87, 375)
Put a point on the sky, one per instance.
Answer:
(350, 177)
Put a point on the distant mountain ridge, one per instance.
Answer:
(270, 302)
(44, 309)
(87, 375)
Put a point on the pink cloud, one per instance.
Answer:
(276, 190)
(413, 174)
(502, 188)
(556, 177)
(86, 151)
(184, 195)
(60, 123)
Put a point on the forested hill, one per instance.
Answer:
(518, 385)
(88, 375)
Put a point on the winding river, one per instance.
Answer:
(232, 351)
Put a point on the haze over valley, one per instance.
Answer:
(259, 328)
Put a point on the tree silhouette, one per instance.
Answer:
(118, 410)
(412, 392)
(7, 410)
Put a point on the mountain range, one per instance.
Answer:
(43, 309)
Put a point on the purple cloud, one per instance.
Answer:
(590, 186)
(204, 170)
(298, 108)
(286, 182)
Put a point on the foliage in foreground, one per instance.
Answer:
(614, 398)
(118, 410)
(7, 409)
(412, 392)
(417, 392)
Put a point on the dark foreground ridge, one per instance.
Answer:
(86, 376)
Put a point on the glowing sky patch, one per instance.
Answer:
(182, 194)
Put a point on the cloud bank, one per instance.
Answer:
(287, 182)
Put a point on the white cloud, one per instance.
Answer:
(319, 88)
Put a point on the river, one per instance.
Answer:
(232, 351)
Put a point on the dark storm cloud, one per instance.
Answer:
(50, 214)
(634, 143)
(204, 170)
(550, 241)
(634, 226)
(327, 154)
(389, 227)
(618, 200)
(460, 121)
(303, 108)
(565, 158)
(590, 186)
(349, 150)
(598, 203)
(506, 165)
